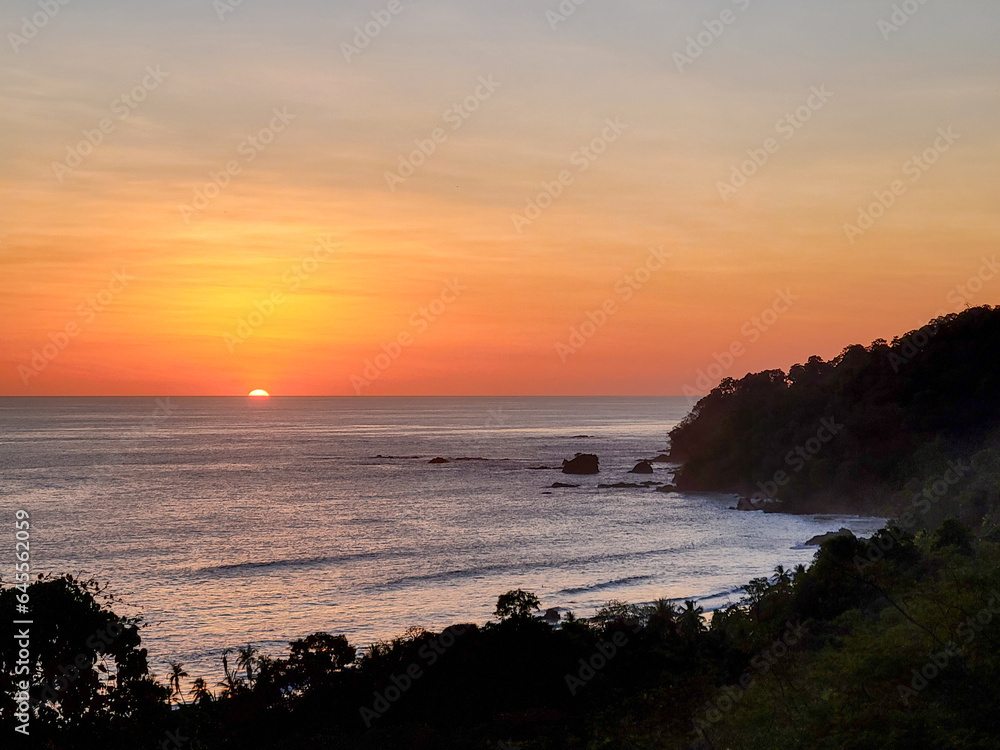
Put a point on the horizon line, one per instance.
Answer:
(345, 396)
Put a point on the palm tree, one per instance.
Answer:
(200, 692)
(664, 612)
(231, 683)
(756, 591)
(246, 661)
(691, 621)
(781, 576)
(176, 673)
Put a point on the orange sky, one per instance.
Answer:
(305, 267)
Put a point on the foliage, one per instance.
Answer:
(89, 675)
(516, 605)
(862, 432)
(821, 656)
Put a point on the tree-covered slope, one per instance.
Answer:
(859, 432)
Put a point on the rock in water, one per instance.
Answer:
(817, 540)
(768, 505)
(439, 460)
(745, 503)
(625, 485)
(582, 463)
(643, 467)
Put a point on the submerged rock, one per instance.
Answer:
(560, 485)
(439, 460)
(643, 467)
(745, 503)
(582, 463)
(667, 488)
(625, 485)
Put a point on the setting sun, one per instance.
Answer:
(259, 393)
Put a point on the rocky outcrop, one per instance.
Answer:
(625, 485)
(748, 503)
(817, 540)
(582, 463)
(745, 503)
(643, 467)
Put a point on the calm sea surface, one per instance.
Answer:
(228, 520)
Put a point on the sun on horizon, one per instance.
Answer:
(259, 393)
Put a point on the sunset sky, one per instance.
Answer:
(237, 224)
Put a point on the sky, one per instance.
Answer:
(433, 197)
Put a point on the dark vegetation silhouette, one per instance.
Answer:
(901, 411)
(889, 642)
(884, 643)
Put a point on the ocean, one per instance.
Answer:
(223, 521)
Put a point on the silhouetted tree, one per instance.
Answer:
(174, 680)
(516, 604)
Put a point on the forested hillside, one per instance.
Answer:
(861, 432)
